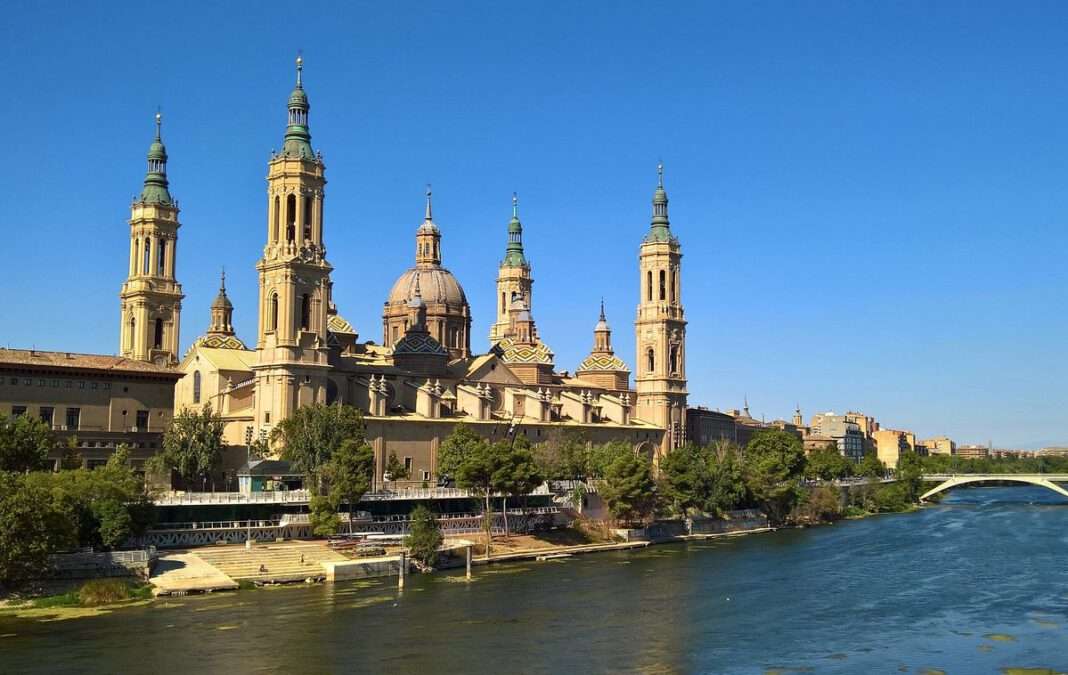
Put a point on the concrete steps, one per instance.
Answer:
(282, 561)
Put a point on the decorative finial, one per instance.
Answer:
(660, 174)
(602, 309)
(300, 67)
(515, 205)
(222, 280)
(159, 122)
(428, 209)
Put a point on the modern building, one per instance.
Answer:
(845, 433)
(973, 451)
(425, 377)
(101, 401)
(890, 444)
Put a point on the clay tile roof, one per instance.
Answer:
(99, 362)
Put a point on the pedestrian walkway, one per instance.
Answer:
(182, 573)
(286, 561)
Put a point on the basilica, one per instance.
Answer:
(423, 376)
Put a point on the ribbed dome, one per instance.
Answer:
(437, 285)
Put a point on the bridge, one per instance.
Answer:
(949, 481)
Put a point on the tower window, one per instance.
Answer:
(133, 333)
(650, 360)
(196, 386)
(504, 304)
(305, 311)
(663, 285)
(673, 359)
(673, 281)
(162, 253)
(649, 286)
(291, 217)
(274, 311)
(147, 261)
(157, 340)
(307, 218)
(277, 216)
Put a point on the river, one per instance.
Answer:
(974, 585)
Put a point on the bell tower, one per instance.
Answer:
(294, 275)
(514, 277)
(660, 328)
(151, 297)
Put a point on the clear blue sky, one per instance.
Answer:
(871, 197)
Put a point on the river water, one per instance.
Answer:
(974, 585)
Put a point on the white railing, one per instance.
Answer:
(199, 498)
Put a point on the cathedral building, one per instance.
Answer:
(424, 377)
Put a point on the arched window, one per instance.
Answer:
(277, 216)
(663, 286)
(157, 340)
(672, 286)
(307, 218)
(133, 332)
(673, 359)
(650, 360)
(504, 304)
(196, 386)
(305, 311)
(162, 262)
(291, 217)
(147, 262)
(274, 311)
(649, 286)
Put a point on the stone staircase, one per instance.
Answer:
(283, 561)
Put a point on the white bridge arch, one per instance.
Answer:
(1047, 480)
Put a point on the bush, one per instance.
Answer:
(822, 504)
(103, 592)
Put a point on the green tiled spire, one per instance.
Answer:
(513, 255)
(298, 138)
(660, 229)
(155, 190)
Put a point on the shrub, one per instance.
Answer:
(425, 537)
(103, 592)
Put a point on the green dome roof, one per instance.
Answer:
(155, 190)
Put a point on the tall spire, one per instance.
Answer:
(659, 229)
(429, 211)
(602, 310)
(155, 190)
(513, 254)
(298, 138)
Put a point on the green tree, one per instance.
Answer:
(31, 527)
(24, 443)
(192, 446)
(727, 487)
(774, 463)
(628, 488)
(424, 538)
(350, 472)
(322, 514)
(72, 459)
(910, 474)
(455, 448)
(563, 455)
(686, 479)
(311, 436)
(871, 467)
(396, 468)
(517, 473)
(827, 464)
(822, 503)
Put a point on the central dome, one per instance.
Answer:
(437, 285)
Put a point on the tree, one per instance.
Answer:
(827, 464)
(628, 488)
(455, 448)
(396, 468)
(686, 478)
(72, 459)
(24, 443)
(350, 472)
(727, 488)
(323, 515)
(910, 474)
(424, 538)
(871, 467)
(562, 456)
(192, 445)
(774, 462)
(517, 473)
(820, 504)
(31, 527)
(311, 436)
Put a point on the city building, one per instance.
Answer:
(973, 451)
(843, 431)
(890, 444)
(940, 445)
(101, 401)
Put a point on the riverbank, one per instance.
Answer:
(80, 599)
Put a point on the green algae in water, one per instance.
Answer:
(985, 648)
(932, 671)
(1030, 671)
